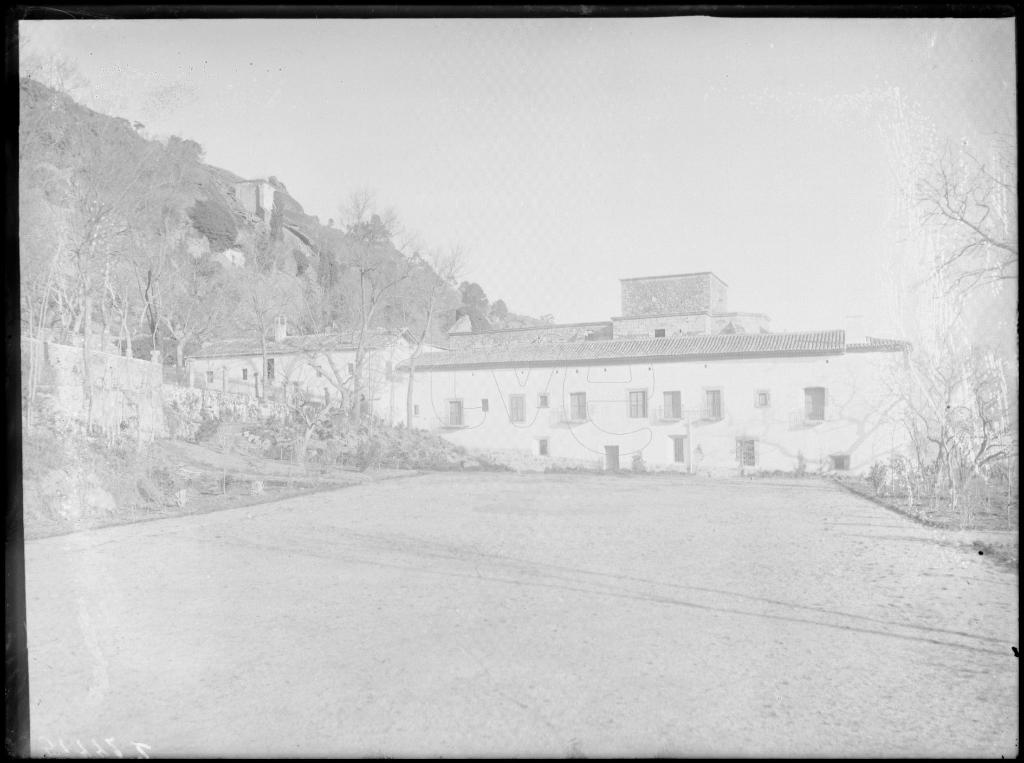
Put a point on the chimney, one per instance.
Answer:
(855, 330)
(280, 328)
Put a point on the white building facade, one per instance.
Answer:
(319, 366)
(695, 402)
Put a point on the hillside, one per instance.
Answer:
(151, 246)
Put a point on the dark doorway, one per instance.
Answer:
(679, 450)
(611, 458)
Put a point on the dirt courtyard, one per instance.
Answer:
(461, 614)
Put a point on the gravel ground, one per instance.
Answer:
(463, 614)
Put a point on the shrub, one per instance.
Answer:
(638, 463)
(877, 476)
(207, 427)
(801, 464)
(213, 219)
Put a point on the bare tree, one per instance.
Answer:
(375, 270)
(970, 203)
(199, 297)
(430, 291)
(264, 297)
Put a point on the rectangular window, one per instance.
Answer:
(713, 404)
(542, 401)
(270, 368)
(658, 333)
(814, 403)
(679, 450)
(578, 406)
(746, 452)
(638, 404)
(841, 462)
(209, 377)
(517, 408)
(485, 405)
(455, 413)
(542, 447)
(415, 410)
(245, 374)
(762, 398)
(673, 405)
(351, 368)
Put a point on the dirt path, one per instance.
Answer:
(526, 614)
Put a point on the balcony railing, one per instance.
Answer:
(802, 418)
(570, 416)
(672, 414)
(711, 413)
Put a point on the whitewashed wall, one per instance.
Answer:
(312, 373)
(860, 418)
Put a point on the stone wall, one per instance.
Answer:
(569, 332)
(126, 392)
(673, 324)
(690, 293)
(185, 407)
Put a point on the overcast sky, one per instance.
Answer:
(566, 154)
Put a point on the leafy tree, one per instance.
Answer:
(499, 311)
(213, 218)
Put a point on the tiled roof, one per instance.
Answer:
(874, 344)
(300, 343)
(667, 348)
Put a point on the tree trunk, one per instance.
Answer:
(86, 365)
(357, 384)
(263, 352)
(408, 391)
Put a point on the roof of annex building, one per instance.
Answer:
(692, 347)
(674, 275)
(298, 344)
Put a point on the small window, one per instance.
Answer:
(713, 404)
(578, 406)
(814, 403)
(485, 405)
(762, 399)
(673, 408)
(209, 377)
(415, 410)
(542, 447)
(351, 368)
(746, 452)
(659, 333)
(638, 404)
(455, 413)
(841, 462)
(516, 408)
(270, 368)
(245, 374)
(542, 401)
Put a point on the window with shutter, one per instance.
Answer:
(516, 408)
(746, 452)
(638, 404)
(578, 406)
(673, 405)
(814, 403)
(713, 404)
